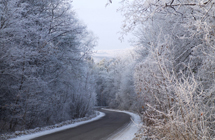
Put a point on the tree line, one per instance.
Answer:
(47, 74)
(46, 70)
(171, 83)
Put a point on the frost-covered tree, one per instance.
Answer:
(103, 82)
(45, 74)
(175, 80)
(115, 83)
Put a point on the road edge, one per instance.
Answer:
(46, 132)
(128, 132)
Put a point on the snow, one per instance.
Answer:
(128, 133)
(31, 136)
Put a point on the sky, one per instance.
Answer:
(104, 22)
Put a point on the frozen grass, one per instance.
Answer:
(37, 132)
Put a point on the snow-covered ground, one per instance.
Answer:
(45, 132)
(128, 133)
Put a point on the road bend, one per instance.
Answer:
(101, 129)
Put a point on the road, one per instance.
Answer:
(97, 130)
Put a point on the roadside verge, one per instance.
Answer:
(37, 132)
(127, 133)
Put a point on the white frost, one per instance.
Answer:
(31, 136)
(127, 133)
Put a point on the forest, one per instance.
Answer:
(46, 70)
(48, 74)
(170, 81)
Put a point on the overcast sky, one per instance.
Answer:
(103, 21)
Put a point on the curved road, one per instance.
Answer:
(97, 130)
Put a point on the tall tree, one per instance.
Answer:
(43, 59)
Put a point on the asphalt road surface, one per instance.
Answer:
(97, 130)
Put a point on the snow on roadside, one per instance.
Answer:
(127, 133)
(37, 132)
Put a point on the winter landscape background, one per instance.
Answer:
(50, 71)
